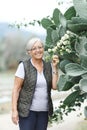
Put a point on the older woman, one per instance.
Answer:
(31, 96)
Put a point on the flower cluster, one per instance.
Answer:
(64, 44)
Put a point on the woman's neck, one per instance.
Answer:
(37, 61)
(38, 64)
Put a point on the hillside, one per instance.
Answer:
(5, 29)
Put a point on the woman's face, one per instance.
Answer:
(37, 50)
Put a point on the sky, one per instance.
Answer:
(17, 10)
(12, 11)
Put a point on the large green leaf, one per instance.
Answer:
(64, 83)
(56, 13)
(62, 20)
(70, 100)
(55, 36)
(84, 61)
(62, 31)
(46, 23)
(48, 37)
(76, 80)
(77, 27)
(84, 76)
(85, 46)
(71, 57)
(74, 69)
(77, 20)
(80, 45)
(70, 13)
(63, 63)
(83, 84)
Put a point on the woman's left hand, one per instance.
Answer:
(55, 60)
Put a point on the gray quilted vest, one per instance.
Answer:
(27, 91)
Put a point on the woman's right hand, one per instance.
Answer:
(15, 94)
(15, 117)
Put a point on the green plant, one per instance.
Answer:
(73, 63)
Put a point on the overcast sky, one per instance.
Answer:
(17, 10)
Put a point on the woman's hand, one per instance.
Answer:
(55, 60)
(15, 117)
(15, 94)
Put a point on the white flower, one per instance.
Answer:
(63, 38)
(59, 44)
(68, 32)
(66, 36)
(68, 50)
(54, 49)
(63, 47)
(67, 42)
(49, 50)
(71, 34)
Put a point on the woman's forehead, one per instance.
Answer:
(33, 42)
(37, 43)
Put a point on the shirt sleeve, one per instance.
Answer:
(20, 71)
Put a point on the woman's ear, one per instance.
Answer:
(29, 53)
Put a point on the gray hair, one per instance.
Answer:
(31, 42)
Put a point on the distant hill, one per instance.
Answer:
(12, 44)
(5, 29)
